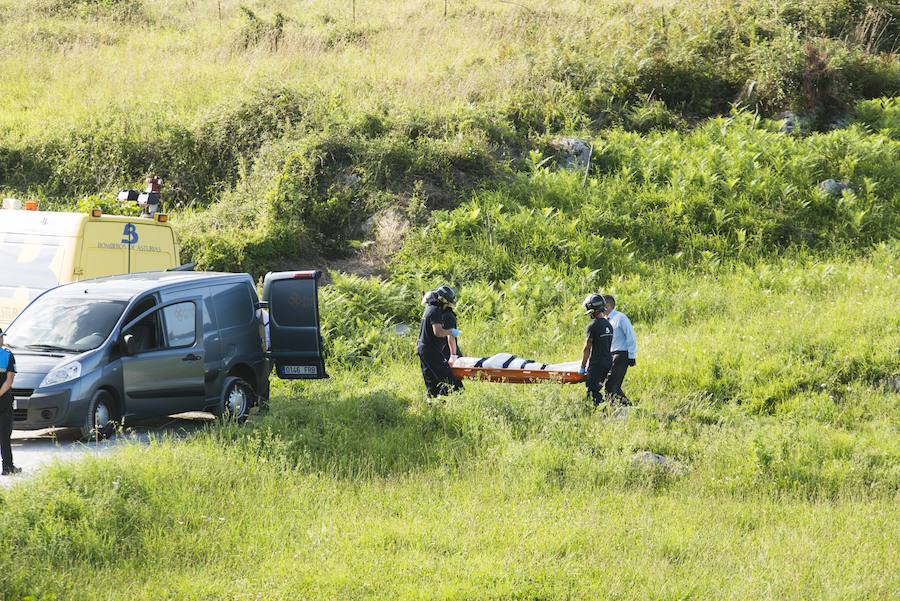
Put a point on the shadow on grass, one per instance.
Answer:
(371, 434)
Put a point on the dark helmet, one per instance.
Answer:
(446, 295)
(594, 302)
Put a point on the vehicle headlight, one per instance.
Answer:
(61, 374)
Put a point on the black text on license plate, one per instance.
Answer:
(300, 370)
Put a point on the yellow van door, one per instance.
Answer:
(154, 247)
(104, 250)
(114, 247)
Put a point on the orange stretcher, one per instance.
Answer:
(516, 376)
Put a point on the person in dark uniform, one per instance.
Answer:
(7, 377)
(436, 333)
(449, 322)
(596, 358)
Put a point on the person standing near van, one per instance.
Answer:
(7, 377)
(434, 333)
(596, 359)
(623, 349)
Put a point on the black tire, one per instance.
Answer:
(102, 408)
(237, 398)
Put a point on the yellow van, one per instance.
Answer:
(42, 249)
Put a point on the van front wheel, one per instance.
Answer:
(100, 419)
(237, 396)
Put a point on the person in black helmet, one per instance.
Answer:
(596, 358)
(436, 333)
(449, 322)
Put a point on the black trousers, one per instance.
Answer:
(617, 374)
(439, 380)
(596, 374)
(6, 428)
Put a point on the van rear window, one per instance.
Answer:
(293, 303)
(233, 304)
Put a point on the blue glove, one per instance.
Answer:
(581, 371)
(455, 333)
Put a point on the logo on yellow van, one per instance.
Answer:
(130, 239)
(130, 235)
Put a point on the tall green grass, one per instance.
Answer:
(766, 388)
(276, 534)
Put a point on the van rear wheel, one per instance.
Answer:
(100, 421)
(237, 396)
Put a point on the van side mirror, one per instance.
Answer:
(128, 345)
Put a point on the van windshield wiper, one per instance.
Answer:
(49, 347)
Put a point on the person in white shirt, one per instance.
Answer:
(623, 348)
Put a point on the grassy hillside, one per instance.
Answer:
(425, 147)
(264, 101)
(153, 55)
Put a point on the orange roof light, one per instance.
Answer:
(31, 205)
(96, 212)
(161, 217)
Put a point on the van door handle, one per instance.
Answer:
(191, 357)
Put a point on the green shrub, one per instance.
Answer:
(652, 115)
(881, 115)
(358, 317)
(255, 31)
(110, 205)
(730, 189)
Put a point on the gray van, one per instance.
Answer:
(93, 353)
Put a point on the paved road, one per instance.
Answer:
(35, 449)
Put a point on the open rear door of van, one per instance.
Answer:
(295, 338)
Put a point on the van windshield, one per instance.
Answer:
(64, 324)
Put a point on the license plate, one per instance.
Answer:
(300, 370)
